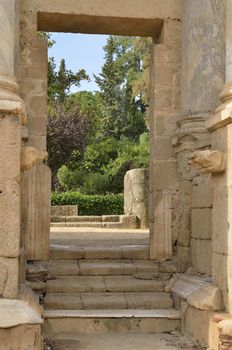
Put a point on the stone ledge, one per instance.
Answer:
(198, 292)
(15, 312)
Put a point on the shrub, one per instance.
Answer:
(90, 204)
(96, 183)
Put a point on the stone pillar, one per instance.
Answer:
(12, 114)
(136, 195)
(163, 180)
(203, 55)
(220, 125)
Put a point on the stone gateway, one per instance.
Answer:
(182, 280)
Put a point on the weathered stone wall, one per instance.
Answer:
(203, 72)
(136, 194)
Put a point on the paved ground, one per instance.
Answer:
(123, 342)
(83, 236)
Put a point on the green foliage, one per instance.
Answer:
(90, 205)
(105, 164)
(61, 81)
(96, 183)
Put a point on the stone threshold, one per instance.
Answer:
(168, 314)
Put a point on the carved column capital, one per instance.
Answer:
(208, 161)
(10, 102)
(30, 157)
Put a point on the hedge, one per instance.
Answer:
(90, 204)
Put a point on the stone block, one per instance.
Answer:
(63, 301)
(198, 325)
(201, 223)
(166, 54)
(64, 210)
(184, 258)
(36, 198)
(164, 73)
(135, 195)
(23, 337)
(163, 97)
(201, 252)
(202, 192)
(131, 283)
(68, 284)
(149, 300)
(163, 149)
(206, 298)
(104, 301)
(9, 277)
(10, 147)
(222, 277)
(160, 231)
(164, 175)
(113, 267)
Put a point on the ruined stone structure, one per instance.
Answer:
(190, 189)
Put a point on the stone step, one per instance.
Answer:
(73, 252)
(80, 284)
(124, 341)
(109, 300)
(110, 321)
(114, 267)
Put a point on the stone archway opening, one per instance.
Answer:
(164, 90)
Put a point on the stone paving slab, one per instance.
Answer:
(130, 284)
(76, 284)
(122, 341)
(109, 267)
(63, 268)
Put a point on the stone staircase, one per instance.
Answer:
(104, 221)
(106, 289)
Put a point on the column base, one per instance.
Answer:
(10, 102)
(223, 114)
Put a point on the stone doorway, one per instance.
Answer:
(164, 90)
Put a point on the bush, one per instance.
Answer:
(90, 204)
(96, 183)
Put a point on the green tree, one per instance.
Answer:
(109, 82)
(124, 102)
(61, 81)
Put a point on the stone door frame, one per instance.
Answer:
(165, 111)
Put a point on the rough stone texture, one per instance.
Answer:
(24, 337)
(136, 195)
(206, 298)
(202, 195)
(36, 198)
(201, 223)
(64, 210)
(201, 251)
(9, 185)
(198, 325)
(125, 341)
(203, 59)
(9, 276)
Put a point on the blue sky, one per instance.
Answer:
(80, 51)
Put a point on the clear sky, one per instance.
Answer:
(80, 51)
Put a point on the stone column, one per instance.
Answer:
(220, 124)
(10, 102)
(12, 114)
(203, 55)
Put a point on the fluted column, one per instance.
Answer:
(12, 115)
(220, 126)
(10, 102)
